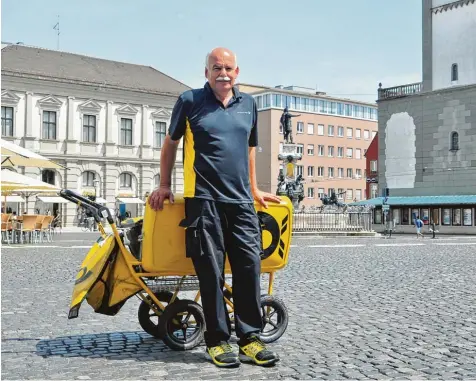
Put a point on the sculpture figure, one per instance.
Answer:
(285, 121)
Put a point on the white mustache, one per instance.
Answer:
(223, 79)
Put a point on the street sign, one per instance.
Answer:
(385, 207)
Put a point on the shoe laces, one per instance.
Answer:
(256, 346)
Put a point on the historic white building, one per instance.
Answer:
(105, 121)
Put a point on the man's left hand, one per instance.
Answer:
(263, 197)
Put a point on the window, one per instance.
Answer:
(331, 191)
(358, 194)
(310, 171)
(349, 132)
(320, 150)
(358, 173)
(373, 190)
(300, 127)
(330, 151)
(333, 107)
(349, 194)
(330, 172)
(89, 128)
(310, 128)
(267, 100)
(277, 100)
(373, 166)
(357, 133)
(48, 176)
(126, 132)
(454, 72)
(340, 109)
(320, 192)
(320, 129)
(299, 170)
(349, 173)
(300, 149)
(340, 173)
(49, 125)
(7, 121)
(320, 171)
(340, 151)
(340, 131)
(160, 132)
(310, 192)
(310, 149)
(330, 130)
(88, 178)
(366, 134)
(348, 110)
(125, 180)
(454, 141)
(340, 193)
(349, 152)
(358, 153)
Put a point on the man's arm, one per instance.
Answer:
(167, 161)
(252, 165)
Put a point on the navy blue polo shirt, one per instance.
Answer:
(216, 141)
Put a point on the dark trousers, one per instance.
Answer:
(214, 230)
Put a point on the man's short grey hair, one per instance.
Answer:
(208, 56)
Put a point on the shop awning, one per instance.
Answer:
(130, 200)
(420, 200)
(53, 199)
(101, 200)
(13, 199)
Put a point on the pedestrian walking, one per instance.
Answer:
(419, 225)
(220, 131)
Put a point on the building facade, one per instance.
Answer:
(427, 130)
(332, 134)
(105, 121)
(371, 166)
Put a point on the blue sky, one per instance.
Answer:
(344, 48)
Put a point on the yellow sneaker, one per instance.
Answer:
(223, 356)
(254, 350)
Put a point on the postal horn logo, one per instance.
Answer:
(269, 223)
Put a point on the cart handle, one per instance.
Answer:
(95, 208)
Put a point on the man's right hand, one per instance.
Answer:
(157, 197)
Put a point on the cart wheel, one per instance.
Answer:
(148, 319)
(182, 325)
(275, 318)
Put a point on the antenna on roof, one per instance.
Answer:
(57, 27)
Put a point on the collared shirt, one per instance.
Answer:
(216, 141)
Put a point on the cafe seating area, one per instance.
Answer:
(27, 228)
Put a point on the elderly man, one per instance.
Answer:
(219, 126)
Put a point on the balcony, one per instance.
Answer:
(399, 91)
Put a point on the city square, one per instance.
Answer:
(334, 165)
(358, 308)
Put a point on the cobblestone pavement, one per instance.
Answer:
(357, 310)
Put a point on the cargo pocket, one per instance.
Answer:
(193, 236)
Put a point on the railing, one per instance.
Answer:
(399, 91)
(339, 222)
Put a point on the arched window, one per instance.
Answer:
(454, 72)
(125, 180)
(48, 176)
(454, 141)
(88, 178)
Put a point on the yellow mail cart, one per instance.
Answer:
(146, 258)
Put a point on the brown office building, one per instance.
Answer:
(333, 135)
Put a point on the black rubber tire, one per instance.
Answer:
(282, 318)
(167, 327)
(145, 313)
